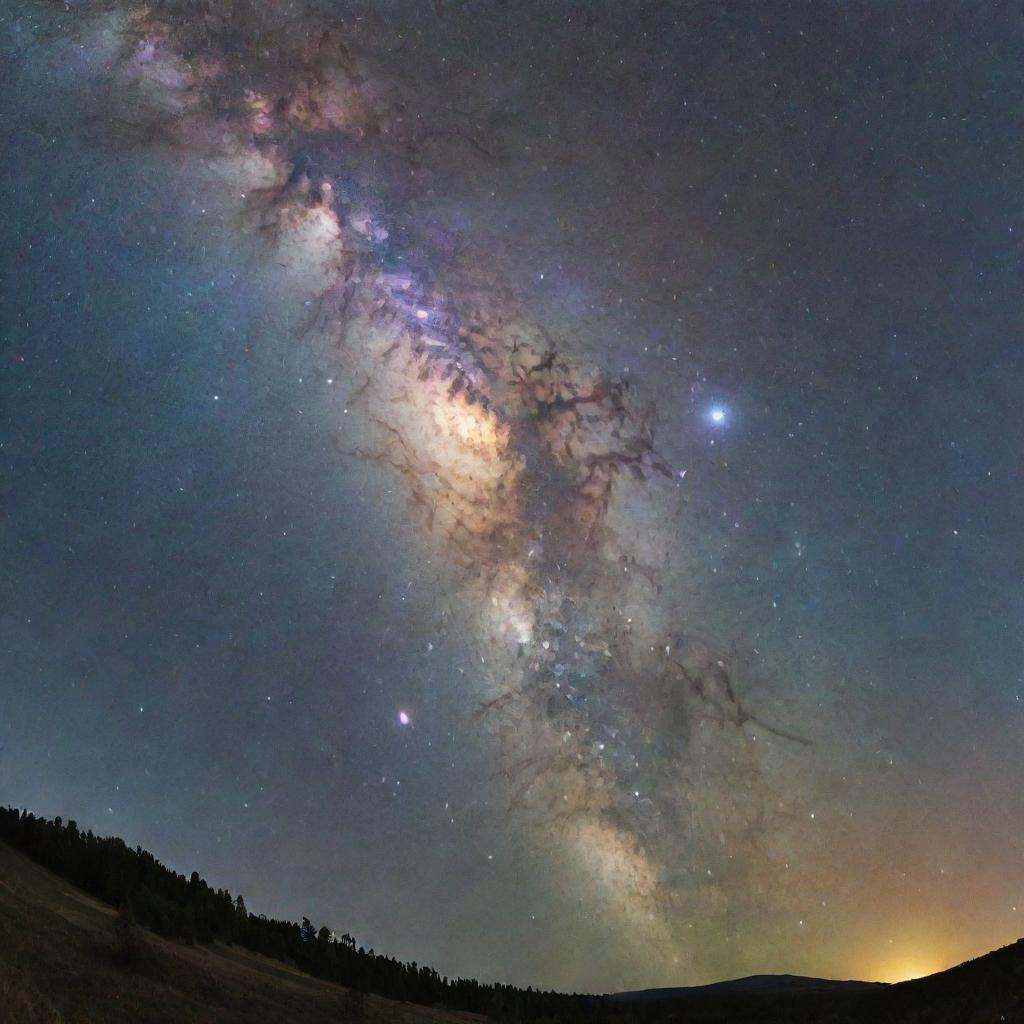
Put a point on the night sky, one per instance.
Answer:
(534, 485)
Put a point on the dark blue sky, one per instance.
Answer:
(221, 585)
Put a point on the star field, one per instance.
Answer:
(535, 486)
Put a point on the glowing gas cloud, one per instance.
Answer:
(534, 477)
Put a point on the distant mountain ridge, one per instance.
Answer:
(754, 984)
(987, 989)
(66, 953)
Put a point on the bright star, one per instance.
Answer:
(403, 718)
(717, 414)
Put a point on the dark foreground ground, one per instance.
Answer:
(58, 962)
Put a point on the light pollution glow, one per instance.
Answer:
(536, 482)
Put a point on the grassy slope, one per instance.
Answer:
(57, 963)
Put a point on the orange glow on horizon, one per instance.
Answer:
(908, 966)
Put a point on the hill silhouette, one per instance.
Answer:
(92, 930)
(755, 984)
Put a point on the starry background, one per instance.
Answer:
(807, 216)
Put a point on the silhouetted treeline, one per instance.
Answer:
(189, 910)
